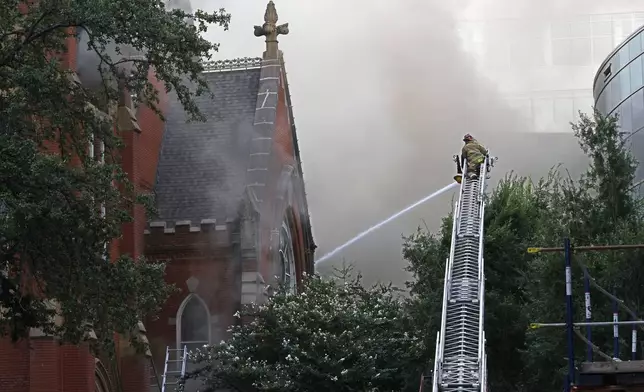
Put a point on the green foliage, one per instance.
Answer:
(335, 335)
(52, 231)
(598, 208)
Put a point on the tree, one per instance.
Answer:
(597, 208)
(334, 335)
(52, 228)
(509, 222)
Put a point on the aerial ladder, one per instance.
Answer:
(460, 362)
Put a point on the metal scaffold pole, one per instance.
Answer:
(569, 323)
(615, 326)
(589, 324)
(569, 316)
(589, 348)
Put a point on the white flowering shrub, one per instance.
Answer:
(335, 335)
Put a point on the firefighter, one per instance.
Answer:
(474, 153)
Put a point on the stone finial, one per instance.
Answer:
(271, 30)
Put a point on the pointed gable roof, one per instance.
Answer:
(207, 170)
(202, 165)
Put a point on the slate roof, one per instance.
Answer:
(202, 165)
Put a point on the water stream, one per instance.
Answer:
(384, 222)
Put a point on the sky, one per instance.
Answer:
(382, 96)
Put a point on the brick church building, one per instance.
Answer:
(232, 222)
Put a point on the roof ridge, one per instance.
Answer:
(232, 64)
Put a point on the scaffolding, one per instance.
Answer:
(612, 373)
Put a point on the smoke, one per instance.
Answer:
(391, 98)
(382, 94)
(89, 61)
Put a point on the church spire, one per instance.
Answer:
(271, 30)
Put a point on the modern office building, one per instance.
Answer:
(543, 65)
(618, 89)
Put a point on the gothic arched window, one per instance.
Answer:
(286, 260)
(194, 323)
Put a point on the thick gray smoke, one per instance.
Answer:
(88, 61)
(382, 95)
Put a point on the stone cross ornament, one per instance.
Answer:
(271, 30)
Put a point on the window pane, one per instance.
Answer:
(625, 83)
(636, 73)
(601, 102)
(638, 20)
(638, 153)
(564, 111)
(637, 105)
(543, 114)
(635, 46)
(615, 93)
(580, 29)
(560, 30)
(623, 27)
(580, 51)
(527, 52)
(621, 58)
(561, 52)
(575, 51)
(602, 28)
(523, 106)
(602, 46)
(194, 322)
(626, 117)
(583, 104)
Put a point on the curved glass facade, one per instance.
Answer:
(619, 89)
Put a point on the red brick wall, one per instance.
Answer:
(140, 159)
(283, 139)
(43, 365)
(284, 150)
(47, 366)
(206, 255)
(134, 374)
(14, 366)
(78, 368)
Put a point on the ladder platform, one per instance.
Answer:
(602, 374)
